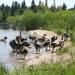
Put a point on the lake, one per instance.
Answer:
(10, 60)
(5, 50)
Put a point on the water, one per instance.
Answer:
(6, 57)
(5, 50)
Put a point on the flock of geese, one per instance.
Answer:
(21, 45)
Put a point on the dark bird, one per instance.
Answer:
(54, 45)
(66, 35)
(46, 44)
(4, 39)
(32, 37)
(23, 39)
(23, 51)
(53, 38)
(41, 40)
(37, 46)
(15, 45)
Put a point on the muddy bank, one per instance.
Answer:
(12, 61)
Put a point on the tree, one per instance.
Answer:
(23, 5)
(39, 2)
(12, 8)
(74, 6)
(7, 8)
(64, 7)
(53, 7)
(42, 8)
(16, 5)
(0, 16)
(33, 6)
(4, 15)
(46, 3)
(59, 8)
(3, 5)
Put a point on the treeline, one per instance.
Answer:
(17, 8)
(48, 20)
(19, 16)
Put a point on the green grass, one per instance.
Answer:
(43, 69)
(59, 31)
(63, 50)
(73, 38)
(3, 70)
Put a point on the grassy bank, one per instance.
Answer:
(43, 69)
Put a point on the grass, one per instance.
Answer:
(3, 70)
(43, 69)
(59, 31)
(63, 50)
(73, 40)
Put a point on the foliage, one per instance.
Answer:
(0, 16)
(4, 15)
(63, 50)
(14, 19)
(64, 6)
(61, 19)
(73, 37)
(32, 21)
(33, 5)
(43, 69)
(42, 8)
(3, 70)
(47, 20)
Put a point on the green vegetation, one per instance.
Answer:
(63, 50)
(3, 70)
(48, 20)
(72, 37)
(34, 17)
(43, 69)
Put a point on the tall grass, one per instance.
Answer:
(63, 50)
(3, 70)
(42, 69)
(45, 69)
(73, 37)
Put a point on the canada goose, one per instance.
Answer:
(32, 37)
(18, 42)
(4, 39)
(23, 51)
(54, 45)
(46, 44)
(53, 38)
(13, 45)
(66, 35)
(37, 46)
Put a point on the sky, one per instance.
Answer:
(69, 3)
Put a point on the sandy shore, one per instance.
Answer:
(33, 59)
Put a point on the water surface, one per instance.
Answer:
(6, 57)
